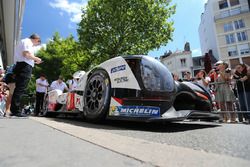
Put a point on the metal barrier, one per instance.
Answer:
(229, 100)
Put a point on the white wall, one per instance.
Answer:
(207, 32)
(173, 63)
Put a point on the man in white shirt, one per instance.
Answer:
(25, 60)
(73, 83)
(41, 88)
(59, 84)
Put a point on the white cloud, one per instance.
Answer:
(196, 52)
(72, 8)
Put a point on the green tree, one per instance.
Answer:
(110, 28)
(61, 57)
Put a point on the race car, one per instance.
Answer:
(134, 87)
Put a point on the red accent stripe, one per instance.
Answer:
(120, 101)
(202, 96)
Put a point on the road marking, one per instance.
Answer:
(149, 152)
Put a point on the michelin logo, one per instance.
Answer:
(118, 68)
(136, 111)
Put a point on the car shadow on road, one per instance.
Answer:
(164, 127)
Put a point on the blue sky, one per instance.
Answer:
(45, 17)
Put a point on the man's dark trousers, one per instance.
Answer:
(23, 73)
(39, 101)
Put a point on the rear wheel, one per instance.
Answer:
(45, 109)
(97, 96)
(45, 105)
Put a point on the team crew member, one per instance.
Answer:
(41, 87)
(73, 83)
(25, 60)
(59, 84)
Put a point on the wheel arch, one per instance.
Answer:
(96, 69)
(184, 100)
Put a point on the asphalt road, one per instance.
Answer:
(119, 143)
(225, 139)
(228, 139)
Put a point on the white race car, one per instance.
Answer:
(132, 88)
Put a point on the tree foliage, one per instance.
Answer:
(61, 57)
(110, 28)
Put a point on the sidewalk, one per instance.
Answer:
(25, 142)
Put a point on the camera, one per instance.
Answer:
(228, 70)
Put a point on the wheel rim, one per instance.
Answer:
(45, 106)
(95, 94)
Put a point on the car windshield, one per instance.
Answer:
(155, 76)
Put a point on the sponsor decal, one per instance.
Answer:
(78, 100)
(118, 68)
(135, 111)
(121, 79)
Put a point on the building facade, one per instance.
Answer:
(225, 29)
(11, 14)
(178, 62)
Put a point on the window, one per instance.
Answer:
(234, 2)
(228, 27)
(235, 11)
(230, 38)
(232, 51)
(183, 62)
(244, 49)
(155, 76)
(224, 14)
(223, 4)
(239, 24)
(242, 36)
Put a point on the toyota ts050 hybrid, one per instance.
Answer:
(132, 88)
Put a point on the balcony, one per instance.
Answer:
(231, 12)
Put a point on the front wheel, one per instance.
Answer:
(97, 96)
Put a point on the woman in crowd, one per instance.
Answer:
(224, 94)
(202, 79)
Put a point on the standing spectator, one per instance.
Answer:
(224, 94)
(187, 76)
(73, 83)
(25, 60)
(41, 88)
(59, 84)
(212, 75)
(9, 79)
(243, 89)
(202, 79)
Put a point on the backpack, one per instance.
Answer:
(9, 76)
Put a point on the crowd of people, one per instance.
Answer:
(42, 87)
(15, 80)
(230, 88)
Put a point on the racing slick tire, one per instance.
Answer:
(97, 96)
(45, 106)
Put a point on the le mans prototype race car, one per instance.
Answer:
(136, 88)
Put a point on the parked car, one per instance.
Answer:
(136, 88)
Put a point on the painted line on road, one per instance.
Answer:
(149, 152)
